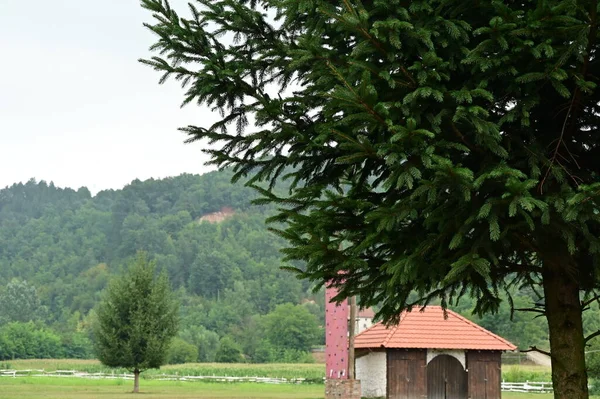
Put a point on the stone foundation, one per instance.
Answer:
(342, 389)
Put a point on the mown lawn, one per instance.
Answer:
(77, 388)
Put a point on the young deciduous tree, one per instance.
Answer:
(136, 320)
(291, 327)
(443, 147)
(229, 351)
(19, 301)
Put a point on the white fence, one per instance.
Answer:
(160, 377)
(528, 386)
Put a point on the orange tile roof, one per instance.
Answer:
(429, 330)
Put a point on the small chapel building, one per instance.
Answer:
(428, 355)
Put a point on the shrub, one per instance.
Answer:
(181, 351)
(229, 351)
(268, 353)
(27, 341)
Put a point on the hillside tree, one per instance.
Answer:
(291, 327)
(137, 320)
(19, 301)
(451, 146)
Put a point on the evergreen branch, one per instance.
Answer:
(576, 96)
(409, 76)
(527, 243)
(519, 267)
(572, 156)
(462, 138)
(591, 40)
(467, 204)
(375, 72)
(534, 310)
(349, 7)
(360, 100)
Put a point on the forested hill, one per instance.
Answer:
(57, 238)
(59, 247)
(66, 244)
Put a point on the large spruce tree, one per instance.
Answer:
(137, 320)
(449, 145)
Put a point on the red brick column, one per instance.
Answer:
(336, 337)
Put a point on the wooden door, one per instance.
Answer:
(484, 375)
(446, 378)
(406, 374)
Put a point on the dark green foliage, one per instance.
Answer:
(69, 280)
(411, 143)
(19, 301)
(526, 329)
(137, 319)
(182, 352)
(434, 149)
(286, 335)
(291, 327)
(76, 345)
(28, 341)
(268, 353)
(205, 341)
(67, 257)
(229, 351)
(32, 200)
(211, 273)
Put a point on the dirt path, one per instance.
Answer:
(539, 358)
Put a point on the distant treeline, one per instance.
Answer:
(59, 248)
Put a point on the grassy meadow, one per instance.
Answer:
(522, 373)
(78, 388)
(313, 371)
(511, 373)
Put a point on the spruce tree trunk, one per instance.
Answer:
(136, 381)
(567, 346)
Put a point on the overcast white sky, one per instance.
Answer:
(76, 107)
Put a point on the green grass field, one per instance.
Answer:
(513, 373)
(77, 388)
(311, 371)
(522, 373)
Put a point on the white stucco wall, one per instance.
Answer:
(362, 323)
(371, 371)
(457, 354)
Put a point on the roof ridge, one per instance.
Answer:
(488, 332)
(393, 330)
(369, 328)
(389, 336)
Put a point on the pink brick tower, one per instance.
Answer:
(336, 338)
